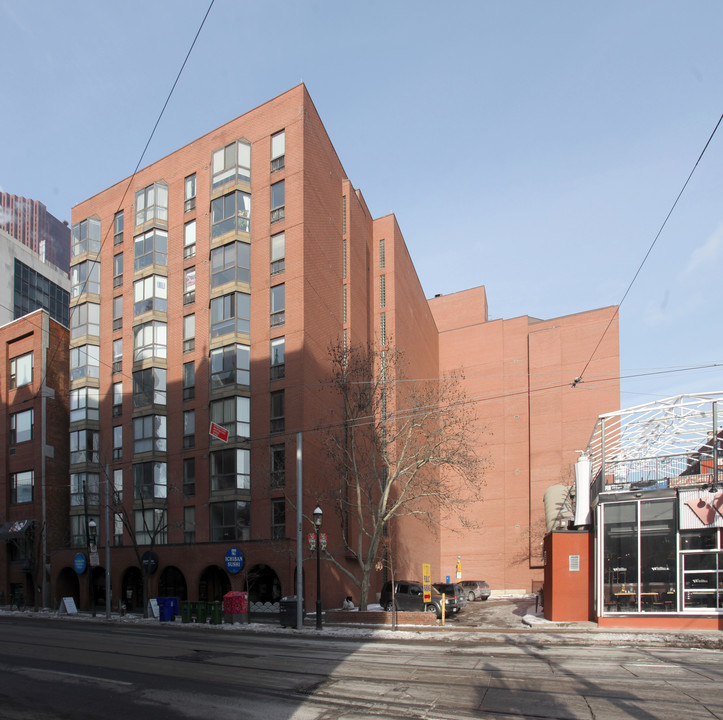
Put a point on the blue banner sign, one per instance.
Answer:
(234, 560)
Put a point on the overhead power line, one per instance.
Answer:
(580, 377)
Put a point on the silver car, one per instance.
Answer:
(476, 589)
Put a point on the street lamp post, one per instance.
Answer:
(317, 526)
(92, 534)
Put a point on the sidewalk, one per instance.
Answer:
(503, 621)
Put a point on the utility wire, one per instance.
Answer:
(138, 164)
(580, 377)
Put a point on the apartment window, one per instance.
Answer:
(382, 254)
(149, 433)
(231, 213)
(277, 201)
(189, 429)
(230, 313)
(151, 526)
(230, 366)
(278, 355)
(84, 362)
(117, 442)
(231, 263)
(85, 278)
(278, 519)
(84, 489)
(233, 413)
(84, 446)
(152, 203)
(118, 485)
(149, 480)
(278, 252)
(84, 404)
(189, 524)
(189, 477)
(189, 193)
(118, 355)
(382, 291)
(278, 305)
(117, 399)
(149, 340)
(343, 258)
(79, 529)
(149, 387)
(118, 270)
(189, 333)
(85, 320)
(150, 293)
(21, 426)
(189, 239)
(189, 286)
(21, 487)
(21, 370)
(383, 328)
(230, 521)
(150, 248)
(118, 312)
(118, 529)
(231, 163)
(277, 411)
(278, 466)
(230, 469)
(85, 237)
(343, 214)
(344, 314)
(118, 228)
(278, 150)
(189, 381)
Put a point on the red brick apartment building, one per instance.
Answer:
(34, 438)
(225, 271)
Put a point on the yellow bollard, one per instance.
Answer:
(443, 608)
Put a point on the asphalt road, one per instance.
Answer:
(64, 668)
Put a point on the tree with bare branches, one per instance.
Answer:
(403, 447)
(145, 518)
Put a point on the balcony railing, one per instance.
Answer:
(643, 474)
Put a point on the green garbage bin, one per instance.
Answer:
(186, 614)
(216, 612)
(201, 612)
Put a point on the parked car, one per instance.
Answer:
(454, 589)
(409, 595)
(476, 589)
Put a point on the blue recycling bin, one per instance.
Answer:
(167, 608)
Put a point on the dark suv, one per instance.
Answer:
(454, 589)
(409, 595)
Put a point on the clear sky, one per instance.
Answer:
(531, 147)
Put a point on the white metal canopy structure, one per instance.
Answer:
(656, 441)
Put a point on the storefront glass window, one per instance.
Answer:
(657, 556)
(620, 540)
(702, 566)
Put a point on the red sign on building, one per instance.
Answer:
(218, 431)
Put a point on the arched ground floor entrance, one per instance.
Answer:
(172, 583)
(214, 584)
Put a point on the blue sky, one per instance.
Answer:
(531, 147)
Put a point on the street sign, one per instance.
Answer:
(149, 560)
(427, 582)
(218, 431)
